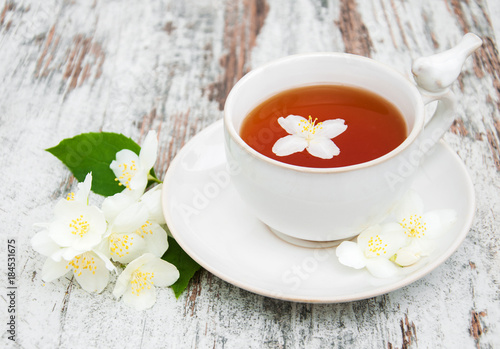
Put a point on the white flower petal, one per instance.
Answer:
(394, 237)
(52, 270)
(103, 247)
(367, 234)
(392, 228)
(131, 169)
(139, 262)
(68, 208)
(289, 144)
(112, 206)
(145, 299)
(152, 201)
(78, 226)
(98, 227)
(124, 156)
(408, 255)
(292, 124)
(381, 241)
(351, 255)
(323, 148)
(123, 281)
(165, 273)
(82, 195)
(139, 182)
(382, 268)
(331, 128)
(121, 284)
(148, 153)
(43, 244)
(107, 263)
(92, 276)
(60, 233)
(124, 248)
(67, 254)
(131, 218)
(156, 239)
(136, 282)
(438, 222)
(125, 166)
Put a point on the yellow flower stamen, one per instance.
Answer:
(120, 244)
(71, 196)
(376, 245)
(414, 226)
(309, 127)
(80, 226)
(128, 172)
(82, 263)
(140, 281)
(143, 230)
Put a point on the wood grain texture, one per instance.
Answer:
(68, 67)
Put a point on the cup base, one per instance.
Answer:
(308, 243)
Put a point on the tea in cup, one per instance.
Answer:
(374, 126)
(316, 142)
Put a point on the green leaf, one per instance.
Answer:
(186, 266)
(94, 152)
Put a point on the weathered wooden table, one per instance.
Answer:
(68, 67)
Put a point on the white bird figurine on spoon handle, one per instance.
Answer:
(437, 72)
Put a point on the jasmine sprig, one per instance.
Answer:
(130, 225)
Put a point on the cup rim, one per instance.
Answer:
(412, 136)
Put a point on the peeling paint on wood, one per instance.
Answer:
(9, 6)
(476, 329)
(409, 333)
(494, 147)
(83, 60)
(354, 32)
(486, 63)
(459, 128)
(242, 26)
(82, 56)
(193, 292)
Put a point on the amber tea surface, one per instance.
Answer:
(374, 125)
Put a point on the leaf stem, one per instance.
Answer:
(153, 179)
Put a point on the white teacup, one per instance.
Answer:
(328, 204)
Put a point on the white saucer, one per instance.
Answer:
(210, 222)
